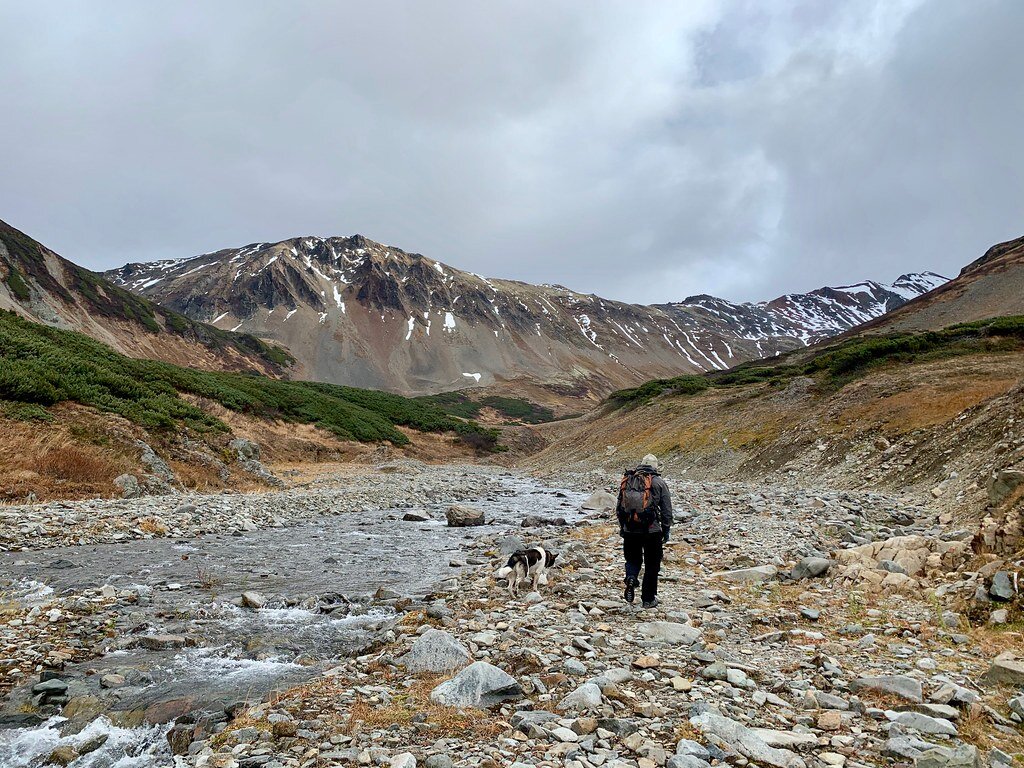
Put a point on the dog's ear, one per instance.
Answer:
(551, 558)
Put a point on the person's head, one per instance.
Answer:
(650, 460)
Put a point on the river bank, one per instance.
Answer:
(738, 664)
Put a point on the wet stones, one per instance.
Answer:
(253, 600)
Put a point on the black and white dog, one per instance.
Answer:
(531, 563)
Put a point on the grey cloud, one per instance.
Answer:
(642, 151)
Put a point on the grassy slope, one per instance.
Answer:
(839, 363)
(41, 366)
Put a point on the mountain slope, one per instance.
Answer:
(991, 286)
(38, 284)
(357, 312)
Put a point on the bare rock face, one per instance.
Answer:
(248, 455)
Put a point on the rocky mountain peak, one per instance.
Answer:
(358, 312)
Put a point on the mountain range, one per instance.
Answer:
(356, 312)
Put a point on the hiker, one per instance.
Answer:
(644, 510)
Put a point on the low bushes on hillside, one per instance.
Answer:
(42, 366)
(514, 408)
(846, 359)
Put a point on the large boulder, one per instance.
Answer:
(462, 515)
(479, 685)
(739, 738)
(913, 554)
(436, 651)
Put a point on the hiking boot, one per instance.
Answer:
(651, 603)
(629, 595)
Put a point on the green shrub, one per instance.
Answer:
(19, 288)
(839, 362)
(43, 366)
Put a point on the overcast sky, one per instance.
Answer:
(643, 151)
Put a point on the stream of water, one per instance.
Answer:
(317, 575)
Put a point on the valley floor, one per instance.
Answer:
(876, 662)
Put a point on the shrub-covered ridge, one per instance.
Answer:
(42, 366)
(840, 362)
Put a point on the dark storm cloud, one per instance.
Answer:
(642, 151)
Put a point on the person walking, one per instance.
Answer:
(644, 511)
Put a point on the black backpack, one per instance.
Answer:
(635, 495)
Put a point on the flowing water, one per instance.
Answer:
(318, 575)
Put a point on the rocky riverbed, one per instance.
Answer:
(248, 647)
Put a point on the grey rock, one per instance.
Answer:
(509, 544)
(438, 761)
(52, 687)
(745, 741)
(964, 756)
(253, 600)
(810, 568)
(601, 501)
(753, 575)
(1004, 670)
(480, 685)
(692, 748)
(923, 723)
(436, 651)
(670, 632)
(686, 761)
(619, 726)
(1002, 586)
(588, 696)
(462, 515)
(1016, 706)
(891, 566)
(1002, 484)
(403, 760)
(416, 516)
(129, 486)
(899, 685)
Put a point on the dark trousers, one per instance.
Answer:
(643, 550)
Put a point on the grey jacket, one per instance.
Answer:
(661, 502)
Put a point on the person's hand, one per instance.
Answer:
(664, 536)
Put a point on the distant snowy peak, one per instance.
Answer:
(354, 311)
(823, 312)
